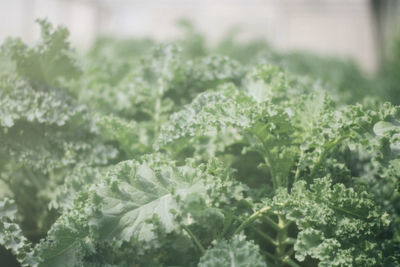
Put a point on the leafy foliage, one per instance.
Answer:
(185, 157)
(238, 252)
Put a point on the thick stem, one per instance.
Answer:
(282, 241)
(281, 237)
(267, 160)
(157, 111)
(297, 174)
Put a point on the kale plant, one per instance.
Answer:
(168, 159)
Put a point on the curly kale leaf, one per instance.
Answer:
(132, 138)
(133, 193)
(272, 127)
(235, 252)
(44, 131)
(47, 61)
(132, 204)
(337, 225)
(11, 236)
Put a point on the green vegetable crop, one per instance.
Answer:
(172, 158)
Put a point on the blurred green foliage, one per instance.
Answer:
(342, 76)
(389, 73)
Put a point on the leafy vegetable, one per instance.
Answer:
(183, 157)
(238, 252)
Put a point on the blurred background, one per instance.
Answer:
(359, 29)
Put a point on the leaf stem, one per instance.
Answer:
(290, 241)
(270, 255)
(267, 160)
(194, 239)
(337, 208)
(297, 175)
(157, 110)
(252, 218)
(290, 262)
(230, 217)
(264, 235)
(271, 223)
(325, 153)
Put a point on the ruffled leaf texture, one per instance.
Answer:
(339, 226)
(11, 236)
(127, 206)
(260, 118)
(237, 252)
(49, 60)
(44, 131)
(85, 144)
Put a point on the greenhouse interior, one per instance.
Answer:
(213, 133)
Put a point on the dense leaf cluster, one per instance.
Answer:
(180, 157)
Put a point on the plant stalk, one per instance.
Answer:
(252, 218)
(194, 239)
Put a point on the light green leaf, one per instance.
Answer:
(133, 193)
(237, 252)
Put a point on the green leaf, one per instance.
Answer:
(132, 204)
(133, 193)
(47, 61)
(133, 139)
(338, 225)
(312, 243)
(382, 128)
(237, 252)
(11, 236)
(67, 242)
